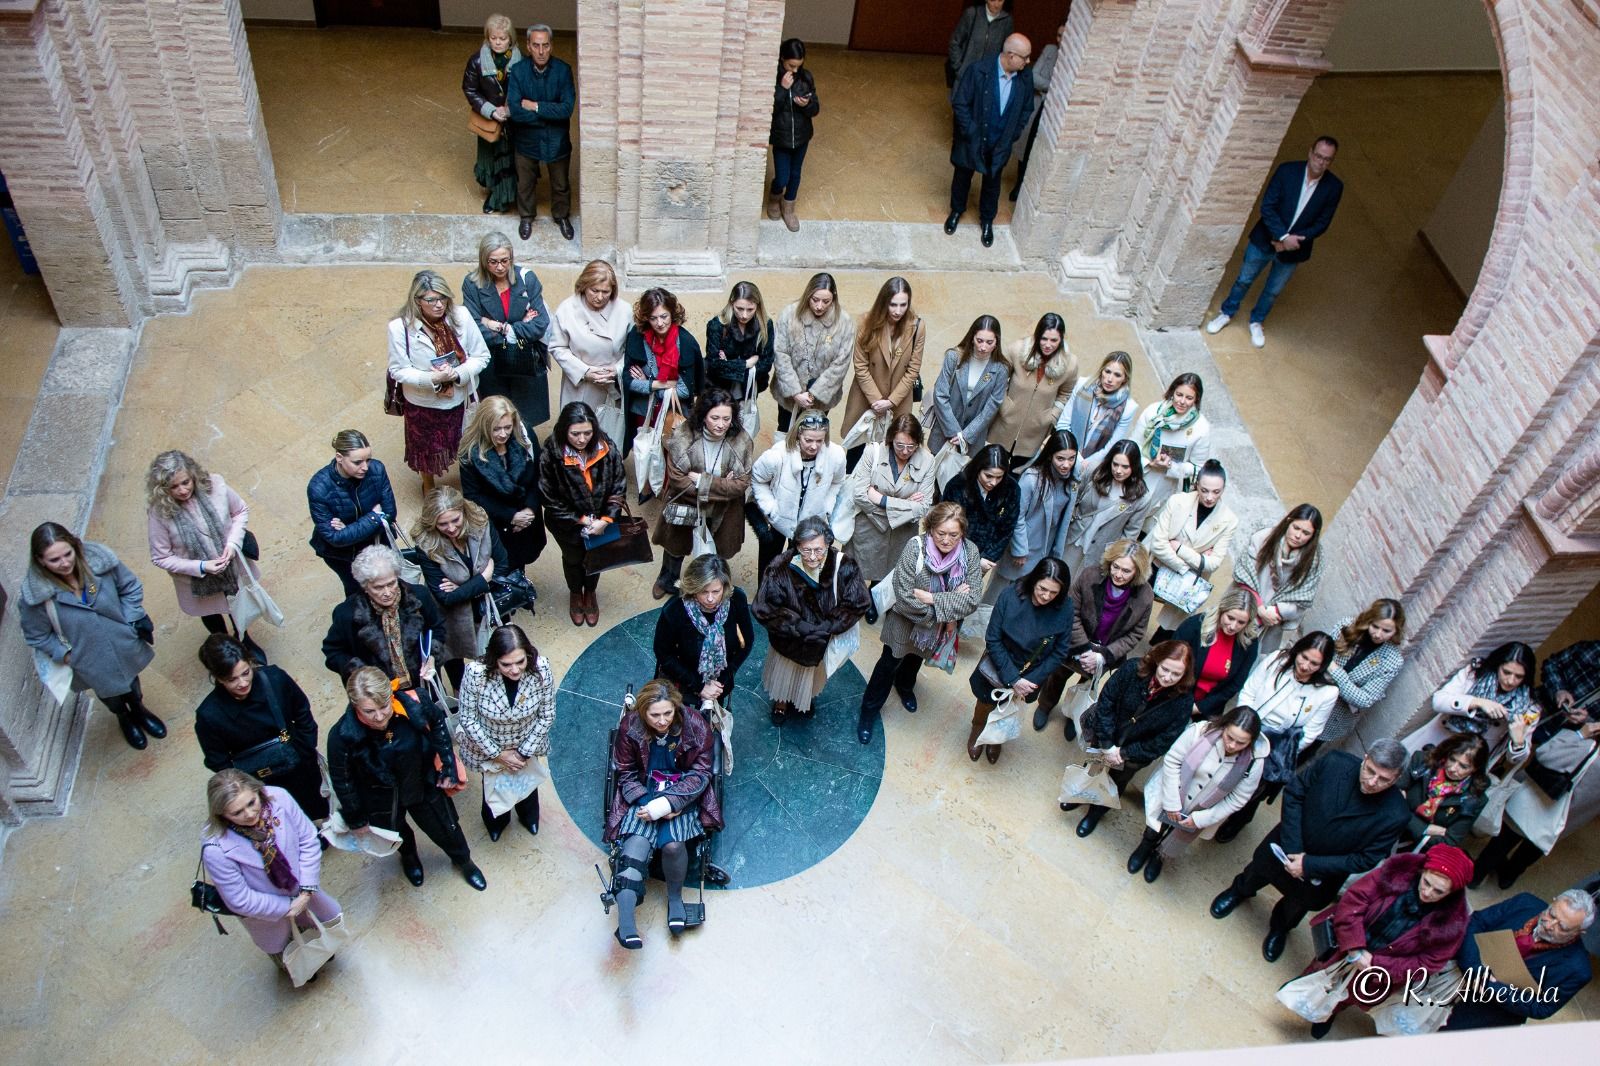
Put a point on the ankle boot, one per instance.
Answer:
(973, 748)
(145, 717)
(1142, 853)
(128, 720)
(773, 200)
(790, 219)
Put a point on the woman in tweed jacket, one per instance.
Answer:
(1366, 660)
(508, 704)
(1282, 565)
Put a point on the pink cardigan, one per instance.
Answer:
(167, 552)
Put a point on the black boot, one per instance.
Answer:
(1142, 853)
(528, 813)
(147, 719)
(128, 720)
(258, 654)
(865, 723)
(495, 824)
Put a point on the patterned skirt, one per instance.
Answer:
(786, 681)
(496, 171)
(433, 436)
(680, 828)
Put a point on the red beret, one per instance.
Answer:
(1450, 861)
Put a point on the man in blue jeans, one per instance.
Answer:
(1296, 209)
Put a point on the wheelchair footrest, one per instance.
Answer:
(716, 874)
(694, 914)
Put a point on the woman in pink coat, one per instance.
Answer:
(196, 527)
(262, 853)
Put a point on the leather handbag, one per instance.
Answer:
(203, 896)
(488, 130)
(631, 547)
(274, 757)
(1557, 762)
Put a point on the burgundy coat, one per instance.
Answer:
(695, 750)
(1428, 945)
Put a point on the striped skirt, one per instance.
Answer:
(680, 828)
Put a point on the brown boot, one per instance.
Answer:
(575, 608)
(980, 717)
(789, 217)
(772, 205)
(591, 608)
(992, 753)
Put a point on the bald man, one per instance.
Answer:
(991, 106)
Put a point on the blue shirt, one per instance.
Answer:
(1006, 80)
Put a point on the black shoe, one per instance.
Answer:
(1226, 903)
(632, 943)
(1070, 729)
(950, 223)
(872, 613)
(565, 226)
(1227, 833)
(986, 235)
(258, 655)
(1016, 190)
(525, 230)
(131, 732)
(909, 701)
(152, 725)
(487, 209)
(1152, 869)
(1090, 819)
(495, 831)
(411, 866)
(864, 725)
(473, 876)
(1070, 806)
(1141, 855)
(1321, 1029)
(1272, 946)
(1041, 718)
(322, 842)
(1505, 880)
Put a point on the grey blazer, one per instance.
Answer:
(959, 410)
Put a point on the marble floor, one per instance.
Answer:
(963, 921)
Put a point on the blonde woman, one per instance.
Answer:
(811, 351)
(887, 358)
(484, 85)
(265, 858)
(500, 473)
(461, 554)
(1037, 391)
(507, 302)
(1100, 409)
(586, 336)
(436, 354)
(738, 340)
(196, 530)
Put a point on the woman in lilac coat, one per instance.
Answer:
(263, 855)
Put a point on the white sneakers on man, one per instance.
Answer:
(1216, 324)
(1258, 336)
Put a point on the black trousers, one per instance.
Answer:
(891, 672)
(768, 547)
(988, 195)
(527, 810)
(1300, 898)
(1508, 854)
(435, 816)
(342, 568)
(574, 569)
(1242, 817)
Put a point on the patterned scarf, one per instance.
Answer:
(206, 545)
(390, 618)
(261, 835)
(1098, 413)
(1166, 419)
(1486, 686)
(502, 60)
(446, 346)
(952, 567)
(1439, 789)
(713, 638)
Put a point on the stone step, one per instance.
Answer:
(884, 246)
(420, 239)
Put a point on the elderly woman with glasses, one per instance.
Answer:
(812, 593)
(391, 624)
(507, 302)
(436, 354)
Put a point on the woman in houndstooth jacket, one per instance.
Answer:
(508, 704)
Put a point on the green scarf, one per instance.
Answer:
(1166, 418)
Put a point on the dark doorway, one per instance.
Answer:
(423, 14)
(883, 26)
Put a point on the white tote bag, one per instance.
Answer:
(613, 423)
(868, 428)
(948, 464)
(1424, 1011)
(55, 677)
(1315, 996)
(251, 603)
(840, 648)
(410, 571)
(649, 461)
(503, 789)
(1004, 722)
(749, 409)
(883, 594)
(304, 955)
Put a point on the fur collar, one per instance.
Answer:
(37, 588)
(369, 630)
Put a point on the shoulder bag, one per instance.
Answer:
(203, 895)
(394, 397)
(274, 757)
(631, 546)
(487, 130)
(1557, 762)
(56, 677)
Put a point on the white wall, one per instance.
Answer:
(1462, 224)
(1413, 35)
(558, 14)
(819, 21)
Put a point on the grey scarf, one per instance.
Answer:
(200, 546)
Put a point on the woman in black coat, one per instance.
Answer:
(1446, 788)
(704, 637)
(1142, 709)
(356, 636)
(484, 85)
(991, 496)
(500, 473)
(1224, 646)
(794, 105)
(507, 304)
(584, 487)
(387, 767)
(1027, 640)
(737, 341)
(809, 595)
(239, 724)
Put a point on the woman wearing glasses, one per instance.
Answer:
(435, 355)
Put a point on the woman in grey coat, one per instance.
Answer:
(936, 585)
(812, 345)
(1049, 492)
(1110, 506)
(81, 607)
(1027, 640)
(893, 488)
(971, 385)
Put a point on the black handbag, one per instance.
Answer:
(203, 896)
(513, 592)
(1554, 783)
(274, 757)
(250, 547)
(1323, 942)
(631, 547)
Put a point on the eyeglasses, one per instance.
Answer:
(1024, 56)
(813, 422)
(431, 301)
(500, 260)
(814, 553)
(905, 447)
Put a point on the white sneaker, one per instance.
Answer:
(1258, 336)
(1216, 324)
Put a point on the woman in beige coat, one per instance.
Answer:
(1191, 536)
(1037, 392)
(811, 350)
(887, 358)
(892, 490)
(586, 335)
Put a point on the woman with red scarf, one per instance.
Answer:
(662, 359)
(1408, 917)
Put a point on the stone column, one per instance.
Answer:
(675, 103)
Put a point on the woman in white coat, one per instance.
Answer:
(1110, 507)
(969, 389)
(1210, 772)
(1486, 697)
(1175, 439)
(800, 476)
(586, 335)
(1190, 540)
(1292, 693)
(435, 355)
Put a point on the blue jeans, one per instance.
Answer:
(1277, 278)
(786, 164)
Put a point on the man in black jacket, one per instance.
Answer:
(1341, 816)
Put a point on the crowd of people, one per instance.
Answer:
(1079, 539)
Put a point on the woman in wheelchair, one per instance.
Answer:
(664, 799)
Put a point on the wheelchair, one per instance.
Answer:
(702, 865)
